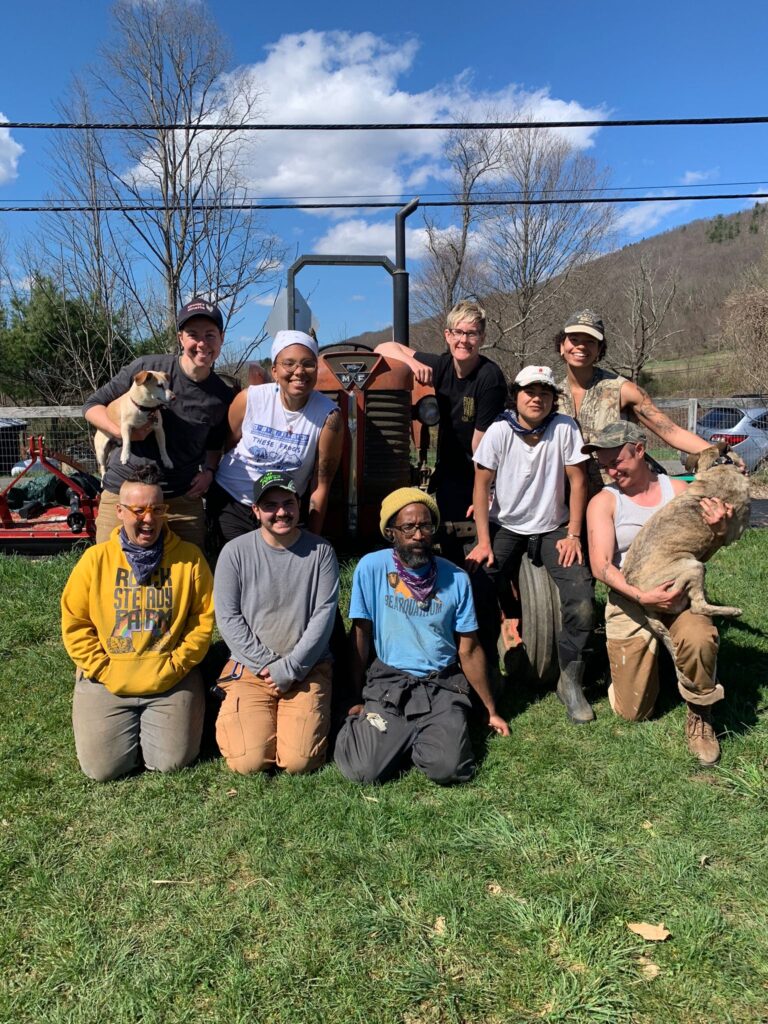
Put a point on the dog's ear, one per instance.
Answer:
(692, 462)
(722, 447)
(141, 377)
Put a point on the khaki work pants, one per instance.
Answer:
(633, 655)
(185, 517)
(256, 731)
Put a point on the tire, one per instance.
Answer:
(541, 621)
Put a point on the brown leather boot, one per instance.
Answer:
(700, 735)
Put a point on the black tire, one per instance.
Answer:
(541, 621)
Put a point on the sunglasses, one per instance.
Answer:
(142, 511)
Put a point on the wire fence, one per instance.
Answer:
(65, 432)
(63, 429)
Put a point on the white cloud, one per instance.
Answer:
(347, 77)
(698, 177)
(10, 151)
(640, 220)
(359, 237)
(357, 298)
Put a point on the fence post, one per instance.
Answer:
(693, 414)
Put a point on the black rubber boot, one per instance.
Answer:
(570, 693)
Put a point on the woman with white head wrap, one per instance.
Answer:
(285, 426)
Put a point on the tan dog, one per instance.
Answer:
(139, 406)
(676, 542)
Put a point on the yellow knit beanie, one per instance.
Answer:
(406, 496)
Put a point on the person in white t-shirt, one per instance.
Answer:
(284, 427)
(529, 453)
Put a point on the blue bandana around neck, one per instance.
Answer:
(511, 418)
(143, 561)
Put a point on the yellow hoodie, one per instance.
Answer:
(138, 640)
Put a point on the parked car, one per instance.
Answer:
(744, 425)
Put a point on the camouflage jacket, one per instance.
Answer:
(600, 406)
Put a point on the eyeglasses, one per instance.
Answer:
(142, 511)
(291, 364)
(469, 335)
(409, 529)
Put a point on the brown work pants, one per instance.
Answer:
(633, 656)
(256, 731)
(185, 517)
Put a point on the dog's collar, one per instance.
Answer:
(146, 408)
(724, 460)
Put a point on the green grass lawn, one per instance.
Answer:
(206, 897)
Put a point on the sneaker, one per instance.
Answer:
(700, 735)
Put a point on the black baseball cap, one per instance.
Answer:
(273, 479)
(200, 307)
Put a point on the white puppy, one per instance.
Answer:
(140, 405)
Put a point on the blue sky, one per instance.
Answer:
(397, 61)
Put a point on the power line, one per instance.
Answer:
(421, 126)
(209, 207)
(481, 193)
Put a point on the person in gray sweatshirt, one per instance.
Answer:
(275, 595)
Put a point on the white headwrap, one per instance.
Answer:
(285, 338)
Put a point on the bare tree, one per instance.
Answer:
(649, 298)
(168, 65)
(516, 257)
(746, 326)
(451, 270)
(532, 249)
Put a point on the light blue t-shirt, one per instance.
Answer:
(415, 640)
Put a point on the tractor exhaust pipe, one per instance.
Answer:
(400, 313)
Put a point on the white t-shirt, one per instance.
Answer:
(530, 479)
(273, 437)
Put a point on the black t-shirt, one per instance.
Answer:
(466, 404)
(194, 424)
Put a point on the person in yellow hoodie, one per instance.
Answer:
(137, 619)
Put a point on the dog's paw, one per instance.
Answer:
(125, 456)
(167, 463)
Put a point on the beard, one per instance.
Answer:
(415, 558)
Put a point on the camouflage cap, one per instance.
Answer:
(614, 436)
(587, 321)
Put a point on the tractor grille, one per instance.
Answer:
(387, 443)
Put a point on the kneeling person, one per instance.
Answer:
(276, 592)
(614, 518)
(137, 619)
(413, 606)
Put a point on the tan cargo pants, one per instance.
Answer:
(256, 731)
(633, 655)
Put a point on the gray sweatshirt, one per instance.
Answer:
(275, 606)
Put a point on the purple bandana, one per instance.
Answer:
(143, 561)
(420, 586)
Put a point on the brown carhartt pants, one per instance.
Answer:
(256, 731)
(633, 656)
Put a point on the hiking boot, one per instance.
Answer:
(570, 693)
(700, 735)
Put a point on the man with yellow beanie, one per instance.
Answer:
(418, 611)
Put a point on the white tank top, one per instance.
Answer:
(629, 517)
(274, 437)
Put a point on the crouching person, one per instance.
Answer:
(415, 607)
(614, 518)
(276, 593)
(137, 619)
